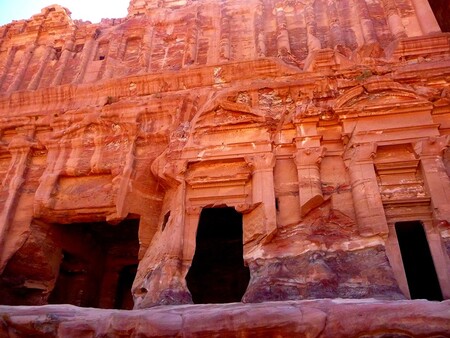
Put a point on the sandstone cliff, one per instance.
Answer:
(320, 127)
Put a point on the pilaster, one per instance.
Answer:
(393, 18)
(20, 149)
(263, 189)
(21, 70)
(366, 195)
(427, 20)
(62, 63)
(308, 168)
(192, 219)
(437, 182)
(88, 51)
(34, 83)
(366, 22)
(283, 44)
(57, 157)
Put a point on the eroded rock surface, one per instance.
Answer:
(322, 274)
(318, 319)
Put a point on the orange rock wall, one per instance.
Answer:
(323, 122)
(51, 49)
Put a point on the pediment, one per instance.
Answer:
(89, 127)
(228, 113)
(385, 98)
(381, 94)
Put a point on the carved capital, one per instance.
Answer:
(309, 156)
(193, 210)
(171, 171)
(21, 143)
(442, 225)
(261, 161)
(243, 207)
(363, 152)
(432, 146)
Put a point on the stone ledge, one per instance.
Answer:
(316, 318)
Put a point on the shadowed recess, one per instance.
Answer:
(98, 264)
(441, 10)
(417, 261)
(218, 274)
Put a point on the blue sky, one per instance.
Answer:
(92, 10)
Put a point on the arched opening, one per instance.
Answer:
(218, 273)
(441, 9)
(417, 261)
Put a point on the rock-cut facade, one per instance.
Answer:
(221, 151)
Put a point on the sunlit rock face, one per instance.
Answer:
(225, 151)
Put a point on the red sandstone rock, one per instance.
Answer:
(323, 124)
(319, 319)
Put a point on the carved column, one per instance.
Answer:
(190, 52)
(425, 16)
(147, 46)
(9, 60)
(437, 182)
(337, 36)
(283, 44)
(225, 39)
(309, 182)
(436, 179)
(88, 51)
(21, 70)
(393, 18)
(259, 30)
(287, 191)
(97, 162)
(192, 219)
(34, 83)
(58, 152)
(165, 263)
(165, 270)
(263, 189)
(123, 181)
(76, 150)
(20, 149)
(311, 29)
(367, 27)
(366, 195)
(62, 63)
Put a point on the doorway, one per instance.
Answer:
(418, 263)
(98, 264)
(441, 9)
(218, 273)
(124, 298)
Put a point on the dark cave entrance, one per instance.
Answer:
(418, 263)
(98, 266)
(441, 10)
(218, 273)
(124, 298)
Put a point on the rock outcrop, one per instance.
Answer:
(318, 319)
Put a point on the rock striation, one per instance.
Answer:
(218, 151)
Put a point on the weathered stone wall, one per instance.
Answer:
(159, 36)
(323, 122)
